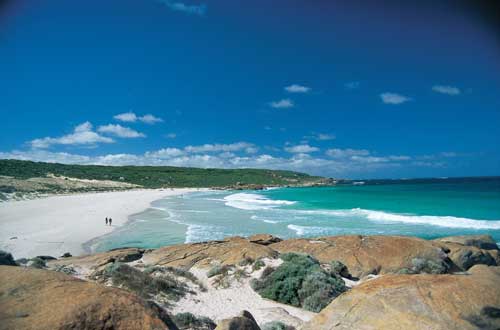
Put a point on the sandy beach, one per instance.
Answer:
(58, 224)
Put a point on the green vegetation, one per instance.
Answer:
(37, 263)
(218, 270)
(154, 176)
(185, 321)
(427, 266)
(7, 259)
(143, 284)
(299, 281)
(175, 272)
(258, 264)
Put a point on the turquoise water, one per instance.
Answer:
(423, 208)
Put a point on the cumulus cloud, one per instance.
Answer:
(282, 104)
(120, 131)
(82, 135)
(199, 10)
(394, 98)
(350, 161)
(297, 89)
(320, 136)
(238, 146)
(352, 85)
(341, 153)
(131, 117)
(171, 135)
(449, 90)
(301, 149)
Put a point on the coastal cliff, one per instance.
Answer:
(261, 282)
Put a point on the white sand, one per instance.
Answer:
(58, 224)
(222, 303)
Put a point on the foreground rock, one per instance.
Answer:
(437, 302)
(467, 251)
(365, 255)
(230, 251)
(485, 242)
(6, 259)
(40, 299)
(244, 321)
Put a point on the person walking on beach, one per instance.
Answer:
(110, 220)
(106, 221)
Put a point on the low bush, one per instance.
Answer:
(246, 261)
(143, 284)
(218, 270)
(37, 263)
(189, 321)
(426, 266)
(338, 268)
(7, 259)
(65, 269)
(258, 264)
(299, 281)
(176, 272)
(276, 325)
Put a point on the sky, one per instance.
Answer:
(345, 89)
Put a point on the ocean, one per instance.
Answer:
(427, 208)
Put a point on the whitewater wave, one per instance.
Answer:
(248, 201)
(256, 217)
(307, 230)
(380, 216)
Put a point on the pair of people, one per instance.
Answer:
(108, 221)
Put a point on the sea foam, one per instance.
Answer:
(380, 216)
(248, 201)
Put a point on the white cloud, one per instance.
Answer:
(352, 85)
(127, 117)
(341, 153)
(449, 90)
(131, 117)
(301, 149)
(282, 104)
(394, 98)
(82, 135)
(297, 89)
(199, 10)
(171, 135)
(320, 136)
(165, 153)
(238, 146)
(361, 162)
(120, 131)
(150, 119)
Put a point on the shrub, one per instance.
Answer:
(258, 264)
(37, 263)
(246, 261)
(142, 283)
(6, 259)
(65, 269)
(338, 268)
(218, 270)
(190, 321)
(299, 281)
(240, 274)
(428, 266)
(276, 325)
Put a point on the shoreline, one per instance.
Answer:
(41, 226)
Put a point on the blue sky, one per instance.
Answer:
(356, 89)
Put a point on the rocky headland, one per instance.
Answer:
(261, 282)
